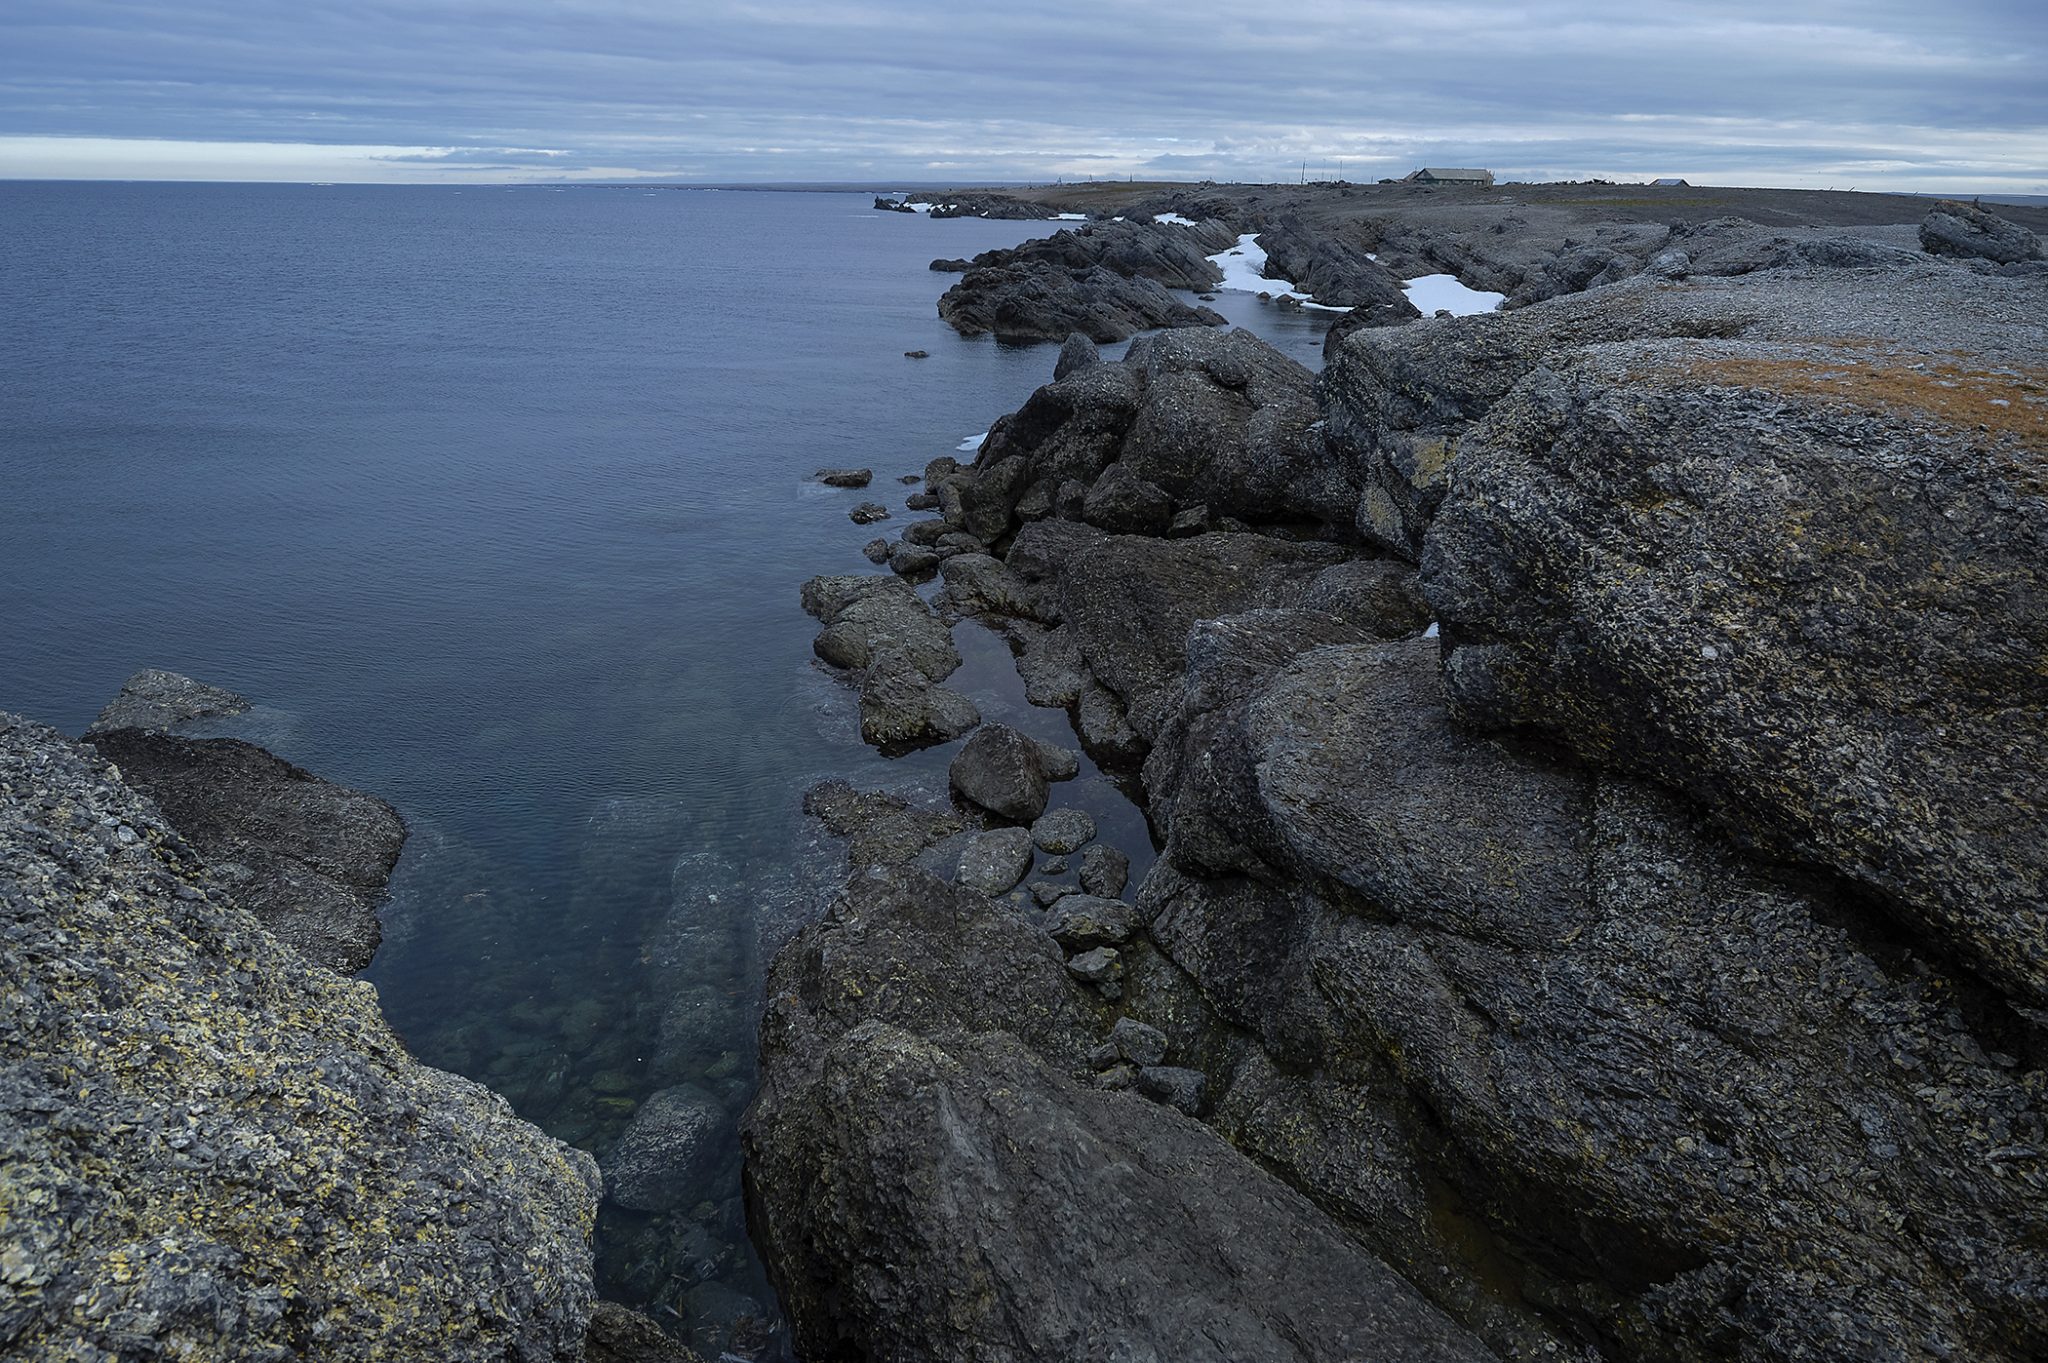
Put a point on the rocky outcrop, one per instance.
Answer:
(1398, 402)
(1692, 1100)
(1618, 913)
(1105, 281)
(1967, 231)
(155, 699)
(1333, 271)
(309, 858)
(1220, 421)
(897, 651)
(1042, 302)
(1803, 584)
(931, 1180)
(217, 1149)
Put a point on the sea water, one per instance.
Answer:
(496, 501)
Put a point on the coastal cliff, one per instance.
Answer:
(1597, 751)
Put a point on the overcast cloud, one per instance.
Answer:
(1873, 94)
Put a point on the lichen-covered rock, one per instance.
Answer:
(1807, 586)
(1397, 402)
(308, 857)
(214, 1149)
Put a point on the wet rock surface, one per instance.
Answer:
(897, 651)
(309, 858)
(216, 1148)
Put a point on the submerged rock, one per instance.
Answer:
(668, 1151)
(215, 1147)
(309, 858)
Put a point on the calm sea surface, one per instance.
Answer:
(497, 502)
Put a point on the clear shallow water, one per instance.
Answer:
(497, 502)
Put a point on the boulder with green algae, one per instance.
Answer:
(211, 1148)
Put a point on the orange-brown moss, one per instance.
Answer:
(2006, 401)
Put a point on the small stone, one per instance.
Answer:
(1063, 830)
(1104, 871)
(917, 354)
(867, 513)
(1138, 1042)
(1101, 967)
(1186, 1090)
(876, 550)
(1194, 520)
(911, 478)
(922, 501)
(1117, 1078)
(1103, 1056)
(1050, 892)
(996, 860)
(846, 477)
(1054, 866)
(1081, 921)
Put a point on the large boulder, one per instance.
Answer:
(1967, 231)
(1808, 587)
(308, 857)
(1007, 772)
(930, 1181)
(1128, 602)
(216, 1149)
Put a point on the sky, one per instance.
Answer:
(1874, 94)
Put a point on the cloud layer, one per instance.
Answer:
(1872, 93)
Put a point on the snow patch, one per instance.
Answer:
(1431, 632)
(1174, 220)
(1070, 217)
(1244, 266)
(971, 443)
(1433, 291)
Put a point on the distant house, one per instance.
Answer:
(1671, 182)
(1445, 175)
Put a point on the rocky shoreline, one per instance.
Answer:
(1594, 755)
(1598, 757)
